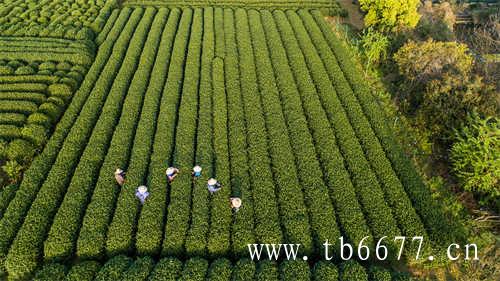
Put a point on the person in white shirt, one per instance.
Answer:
(142, 193)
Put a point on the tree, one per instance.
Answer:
(438, 85)
(437, 21)
(475, 157)
(390, 15)
(446, 104)
(422, 62)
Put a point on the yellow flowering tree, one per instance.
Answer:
(390, 15)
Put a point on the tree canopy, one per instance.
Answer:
(390, 15)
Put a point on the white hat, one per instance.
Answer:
(197, 169)
(118, 171)
(236, 202)
(212, 181)
(170, 170)
(142, 189)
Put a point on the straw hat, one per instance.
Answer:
(212, 181)
(118, 171)
(170, 170)
(142, 189)
(236, 202)
(197, 169)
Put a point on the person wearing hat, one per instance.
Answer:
(213, 185)
(196, 172)
(142, 193)
(171, 173)
(235, 204)
(120, 176)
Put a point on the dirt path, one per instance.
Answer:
(355, 17)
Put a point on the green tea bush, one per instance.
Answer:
(218, 242)
(325, 271)
(220, 270)
(195, 269)
(20, 150)
(51, 272)
(114, 269)
(196, 239)
(295, 270)
(379, 274)
(169, 59)
(178, 212)
(92, 237)
(294, 215)
(266, 271)
(167, 269)
(243, 224)
(84, 271)
(352, 271)
(61, 240)
(320, 207)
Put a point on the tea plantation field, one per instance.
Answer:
(266, 100)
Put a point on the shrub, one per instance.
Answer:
(61, 239)
(178, 212)
(6, 70)
(352, 271)
(244, 270)
(84, 271)
(9, 132)
(379, 274)
(8, 192)
(25, 70)
(302, 136)
(36, 134)
(29, 241)
(47, 65)
(475, 157)
(51, 272)
(170, 56)
(13, 171)
(39, 118)
(16, 106)
(114, 269)
(20, 150)
(60, 90)
(51, 110)
(267, 226)
(325, 271)
(218, 242)
(167, 269)
(295, 270)
(196, 240)
(16, 119)
(3, 148)
(139, 270)
(266, 271)
(195, 269)
(243, 223)
(120, 232)
(294, 215)
(92, 237)
(344, 100)
(219, 270)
